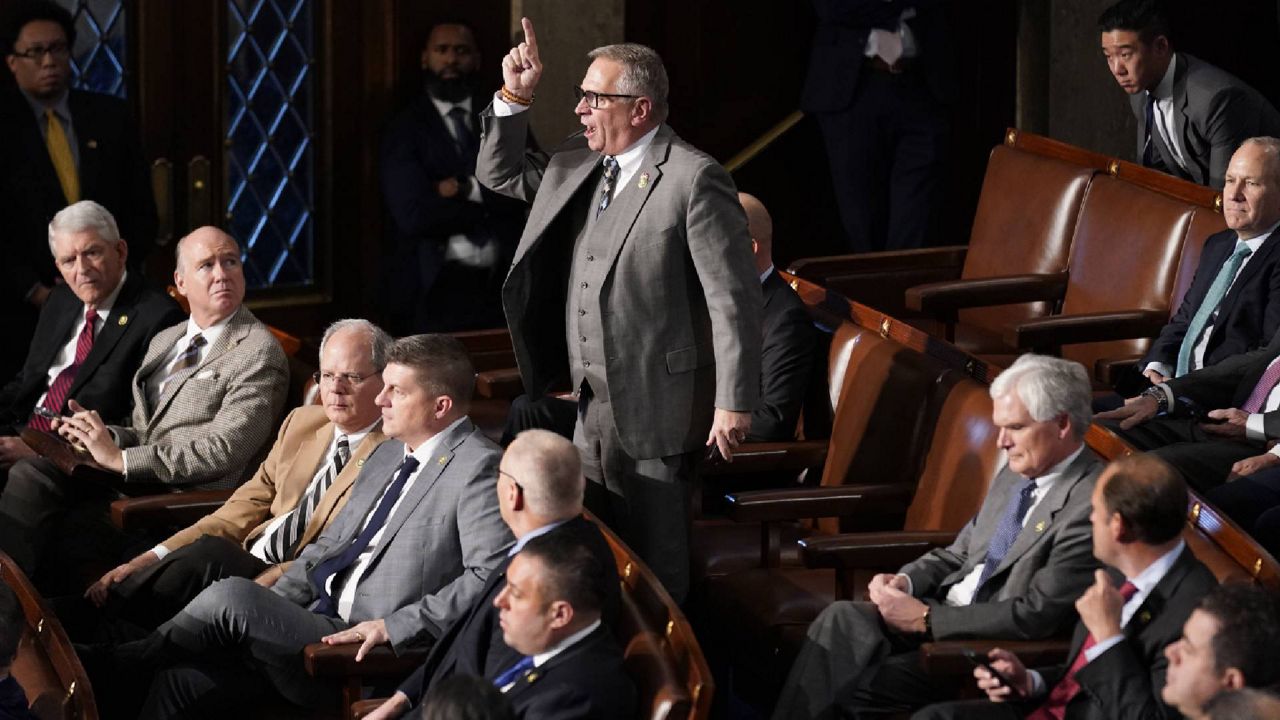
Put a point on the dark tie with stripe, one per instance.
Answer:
(281, 544)
(320, 574)
(610, 179)
(61, 385)
(1149, 146)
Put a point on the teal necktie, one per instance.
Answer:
(1217, 291)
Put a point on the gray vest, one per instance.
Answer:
(584, 331)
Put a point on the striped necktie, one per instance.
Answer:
(60, 153)
(61, 385)
(287, 534)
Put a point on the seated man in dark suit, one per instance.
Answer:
(295, 494)
(404, 559)
(68, 358)
(58, 146)
(1191, 115)
(1228, 644)
(1010, 574)
(540, 491)
(205, 400)
(1118, 662)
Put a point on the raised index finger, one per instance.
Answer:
(530, 38)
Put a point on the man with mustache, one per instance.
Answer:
(450, 238)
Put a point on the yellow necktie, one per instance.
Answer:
(63, 162)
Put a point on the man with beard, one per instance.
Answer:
(450, 239)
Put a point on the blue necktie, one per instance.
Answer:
(1148, 147)
(512, 673)
(1008, 529)
(1217, 291)
(467, 146)
(320, 574)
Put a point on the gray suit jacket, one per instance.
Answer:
(1214, 112)
(681, 302)
(211, 420)
(1032, 593)
(437, 549)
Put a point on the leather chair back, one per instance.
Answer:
(1204, 223)
(1025, 219)
(1124, 256)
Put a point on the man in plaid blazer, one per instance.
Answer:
(206, 399)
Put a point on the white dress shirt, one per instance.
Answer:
(67, 354)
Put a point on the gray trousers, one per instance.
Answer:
(646, 501)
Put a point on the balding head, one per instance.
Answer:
(208, 273)
(760, 227)
(541, 481)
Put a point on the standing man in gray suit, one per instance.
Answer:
(1191, 115)
(634, 284)
(405, 557)
(205, 400)
(1012, 573)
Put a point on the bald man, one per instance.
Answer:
(787, 355)
(205, 400)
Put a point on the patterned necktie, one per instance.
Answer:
(61, 384)
(190, 356)
(466, 139)
(610, 177)
(60, 153)
(1218, 290)
(513, 673)
(1270, 378)
(287, 534)
(1148, 146)
(320, 574)
(1008, 529)
(1055, 707)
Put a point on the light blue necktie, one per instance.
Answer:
(1217, 291)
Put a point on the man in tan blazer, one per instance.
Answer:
(296, 492)
(206, 399)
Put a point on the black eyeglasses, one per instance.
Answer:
(58, 50)
(593, 98)
(348, 379)
(513, 479)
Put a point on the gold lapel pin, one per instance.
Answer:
(1144, 617)
(443, 459)
(532, 677)
(124, 320)
(360, 463)
(1040, 526)
(93, 144)
(644, 181)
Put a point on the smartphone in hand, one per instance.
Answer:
(982, 660)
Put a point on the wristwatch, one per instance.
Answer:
(928, 623)
(1161, 397)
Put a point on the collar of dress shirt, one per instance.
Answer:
(444, 106)
(1164, 89)
(1256, 242)
(211, 333)
(522, 541)
(1151, 576)
(765, 275)
(424, 451)
(353, 438)
(61, 106)
(629, 160)
(104, 307)
(1046, 480)
(564, 644)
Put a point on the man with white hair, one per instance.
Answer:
(93, 330)
(1012, 573)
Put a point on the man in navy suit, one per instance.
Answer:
(58, 146)
(451, 239)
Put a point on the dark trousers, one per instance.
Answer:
(887, 152)
(545, 413)
(1254, 503)
(152, 596)
(1204, 460)
(974, 710)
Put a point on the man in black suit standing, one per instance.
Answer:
(451, 239)
(540, 492)
(69, 358)
(58, 146)
(1118, 662)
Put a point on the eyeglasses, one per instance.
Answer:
(58, 50)
(513, 479)
(593, 98)
(348, 379)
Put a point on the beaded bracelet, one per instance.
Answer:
(514, 98)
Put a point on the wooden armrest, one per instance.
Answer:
(1107, 370)
(878, 279)
(943, 299)
(946, 657)
(502, 384)
(769, 457)
(339, 661)
(804, 503)
(870, 550)
(173, 509)
(1061, 330)
(364, 708)
(889, 260)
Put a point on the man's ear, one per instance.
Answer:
(444, 404)
(561, 613)
(641, 111)
(1233, 679)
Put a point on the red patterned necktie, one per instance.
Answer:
(61, 384)
(1055, 708)
(1266, 383)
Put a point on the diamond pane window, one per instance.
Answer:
(269, 150)
(97, 60)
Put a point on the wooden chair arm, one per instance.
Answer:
(804, 503)
(500, 384)
(339, 661)
(1059, 330)
(769, 457)
(171, 510)
(878, 550)
(944, 299)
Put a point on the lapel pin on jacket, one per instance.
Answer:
(1040, 526)
(644, 181)
(443, 459)
(360, 463)
(124, 320)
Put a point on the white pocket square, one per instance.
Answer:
(204, 374)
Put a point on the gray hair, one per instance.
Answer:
(1049, 387)
(555, 483)
(379, 340)
(82, 216)
(642, 73)
(1271, 148)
